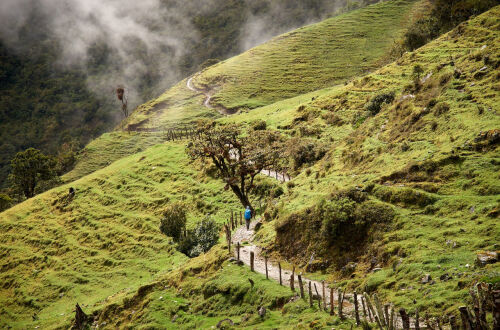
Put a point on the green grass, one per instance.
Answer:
(310, 58)
(104, 242)
(100, 248)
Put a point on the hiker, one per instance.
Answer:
(248, 216)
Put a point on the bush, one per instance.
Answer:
(173, 222)
(304, 151)
(441, 108)
(259, 125)
(201, 239)
(376, 102)
(5, 202)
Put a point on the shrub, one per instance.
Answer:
(304, 151)
(5, 202)
(259, 125)
(174, 221)
(441, 108)
(201, 239)
(376, 102)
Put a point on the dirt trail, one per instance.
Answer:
(208, 96)
(245, 236)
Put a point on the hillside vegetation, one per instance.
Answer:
(395, 175)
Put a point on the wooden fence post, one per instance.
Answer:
(453, 322)
(324, 294)
(495, 297)
(301, 287)
(228, 238)
(332, 312)
(232, 221)
(339, 300)
(251, 260)
(238, 249)
(310, 295)
(292, 279)
(417, 322)
(319, 296)
(265, 262)
(466, 321)
(364, 308)
(404, 318)
(356, 311)
(279, 266)
(241, 218)
(393, 319)
(380, 311)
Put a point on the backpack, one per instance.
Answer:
(248, 214)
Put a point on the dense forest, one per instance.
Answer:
(58, 108)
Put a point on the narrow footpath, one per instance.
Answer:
(245, 237)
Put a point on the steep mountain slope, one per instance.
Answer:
(427, 162)
(418, 156)
(288, 56)
(45, 104)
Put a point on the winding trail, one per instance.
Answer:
(208, 97)
(244, 236)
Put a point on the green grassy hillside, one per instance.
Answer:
(103, 243)
(420, 155)
(310, 58)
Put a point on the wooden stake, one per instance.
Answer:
(386, 315)
(417, 322)
(265, 262)
(453, 322)
(251, 260)
(238, 250)
(339, 300)
(464, 314)
(319, 297)
(292, 278)
(301, 287)
(279, 266)
(405, 318)
(332, 312)
(364, 308)
(356, 311)
(310, 295)
(324, 294)
(241, 218)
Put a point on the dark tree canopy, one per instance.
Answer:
(29, 168)
(238, 158)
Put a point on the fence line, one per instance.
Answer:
(485, 300)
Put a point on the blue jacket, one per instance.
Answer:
(248, 214)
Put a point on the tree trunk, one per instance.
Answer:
(242, 197)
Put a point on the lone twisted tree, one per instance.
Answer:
(238, 158)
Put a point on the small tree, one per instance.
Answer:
(174, 221)
(206, 235)
(29, 168)
(237, 158)
(5, 202)
(418, 70)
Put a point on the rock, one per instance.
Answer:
(232, 259)
(445, 277)
(175, 318)
(258, 225)
(472, 209)
(239, 263)
(426, 279)
(374, 270)
(486, 257)
(262, 312)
